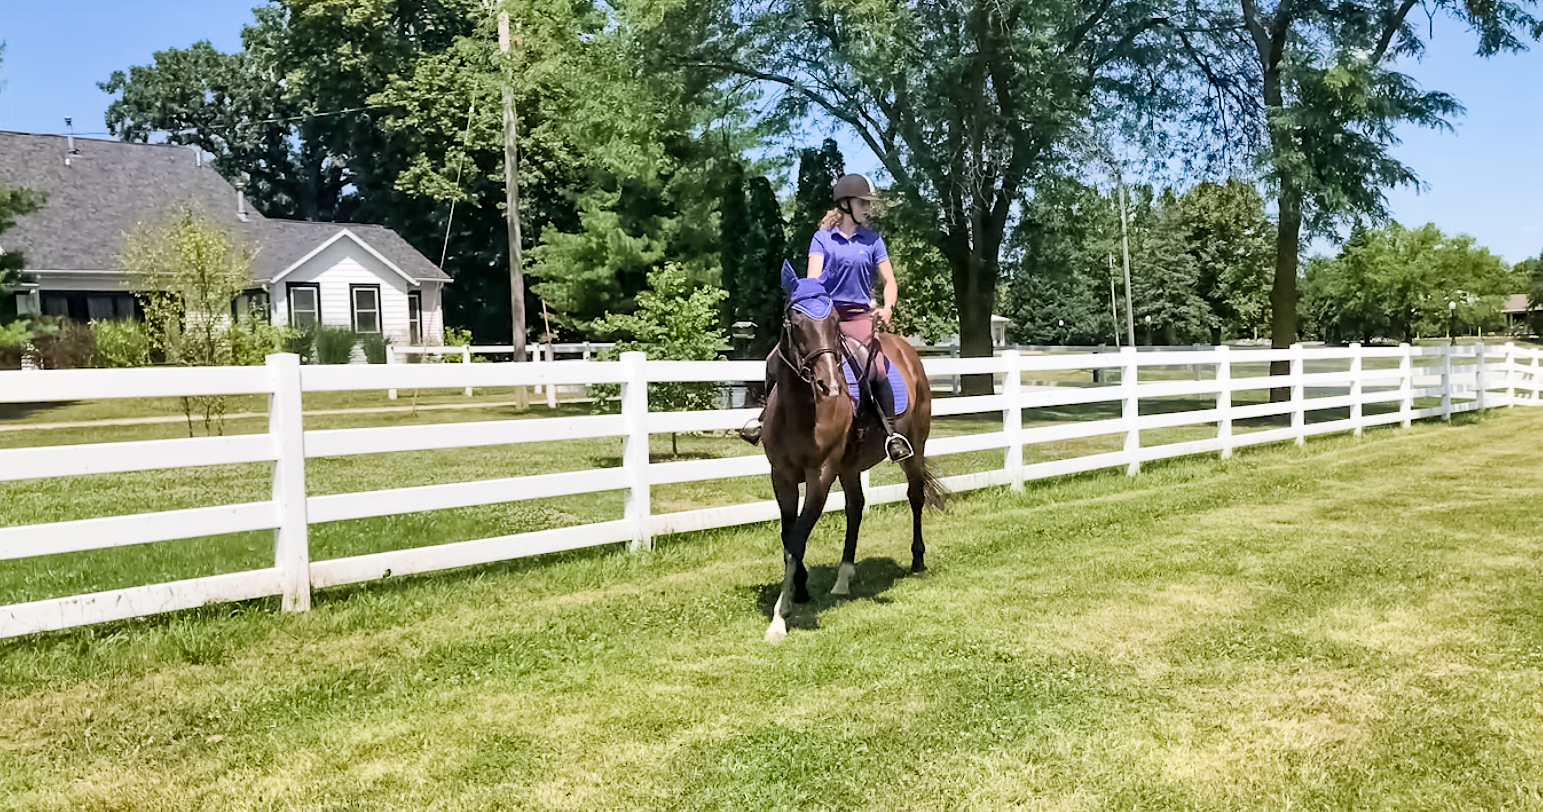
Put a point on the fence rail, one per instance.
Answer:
(1463, 378)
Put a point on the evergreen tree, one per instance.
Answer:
(1165, 280)
(818, 171)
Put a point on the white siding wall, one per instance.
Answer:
(344, 264)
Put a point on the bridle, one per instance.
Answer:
(805, 368)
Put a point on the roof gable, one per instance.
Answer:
(341, 235)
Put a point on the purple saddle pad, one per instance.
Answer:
(896, 385)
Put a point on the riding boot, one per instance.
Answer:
(751, 432)
(896, 446)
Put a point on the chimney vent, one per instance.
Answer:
(241, 201)
(70, 150)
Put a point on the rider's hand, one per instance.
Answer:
(882, 314)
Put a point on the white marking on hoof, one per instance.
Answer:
(779, 627)
(843, 578)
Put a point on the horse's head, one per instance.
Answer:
(811, 334)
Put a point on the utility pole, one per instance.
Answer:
(1130, 308)
(1114, 309)
(512, 206)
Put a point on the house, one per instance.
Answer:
(1515, 311)
(362, 277)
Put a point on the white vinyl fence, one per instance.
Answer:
(1463, 378)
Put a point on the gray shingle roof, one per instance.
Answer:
(110, 187)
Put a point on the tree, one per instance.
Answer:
(1165, 279)
(185, 269)
(818, 171)
(1065, 247)
(13, 204)
(1228, 234)
(753, 245)
(1317, 100)
(963, 103)
(1397, 283)
(676, 320)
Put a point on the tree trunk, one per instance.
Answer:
(1283, 296)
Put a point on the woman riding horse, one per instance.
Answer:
(846, 256)
(815, 431)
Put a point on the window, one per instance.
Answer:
(304, 306)
(250, 304)
(414, 317)
(366, 308)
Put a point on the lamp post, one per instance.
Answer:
(1061, 331)
(1451, 317)
(1148, 320)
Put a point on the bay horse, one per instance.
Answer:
(813, 434)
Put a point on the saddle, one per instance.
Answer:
(871, 378)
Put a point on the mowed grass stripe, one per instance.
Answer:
(1353, 625)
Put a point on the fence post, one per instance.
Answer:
(1537, 383)
(551, 388)
(954, 387)
(1510, 374)
(1480, 379)
(634, 409)
(1012, 416)
(291, 540)
(1298, 395)
(1131, 408)
(1406, 383)
(1355, 387)
(466, 359)
(1446, 383)
(1224, 400)
(390, 359)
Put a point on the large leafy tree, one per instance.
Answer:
(1313, 86)
(1401, 283)
(962, 102)
(1166, 279)
(1065, 248)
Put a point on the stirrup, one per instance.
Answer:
(898, 448)
(751, 432)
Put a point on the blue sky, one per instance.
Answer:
(1486, 179)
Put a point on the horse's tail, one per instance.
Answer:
(934, 494)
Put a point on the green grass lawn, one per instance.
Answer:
(1357, 624)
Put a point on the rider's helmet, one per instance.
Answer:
(854, 186)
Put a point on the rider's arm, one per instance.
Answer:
(891, 289)
(816, 265)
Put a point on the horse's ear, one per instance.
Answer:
(789, 277)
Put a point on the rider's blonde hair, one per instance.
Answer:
(831, 219)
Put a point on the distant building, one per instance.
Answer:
(362, 277)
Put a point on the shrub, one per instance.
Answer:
(334, 345)
(301, 343)
(374, 345)
(121, 344)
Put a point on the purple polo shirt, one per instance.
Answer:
(851, 265)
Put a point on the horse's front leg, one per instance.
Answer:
(795, 578)
(785, 486)
(852, 486)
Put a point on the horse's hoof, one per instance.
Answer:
(920, 572)
(843, 577)
(840, 592)
(777, 632)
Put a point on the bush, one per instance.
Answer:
(63, 344)
(254, 339)
(334, 345)
(374, 345)
(121, 344)
(301, 343)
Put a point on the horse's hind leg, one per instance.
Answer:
(916, 478)
(852, 486)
